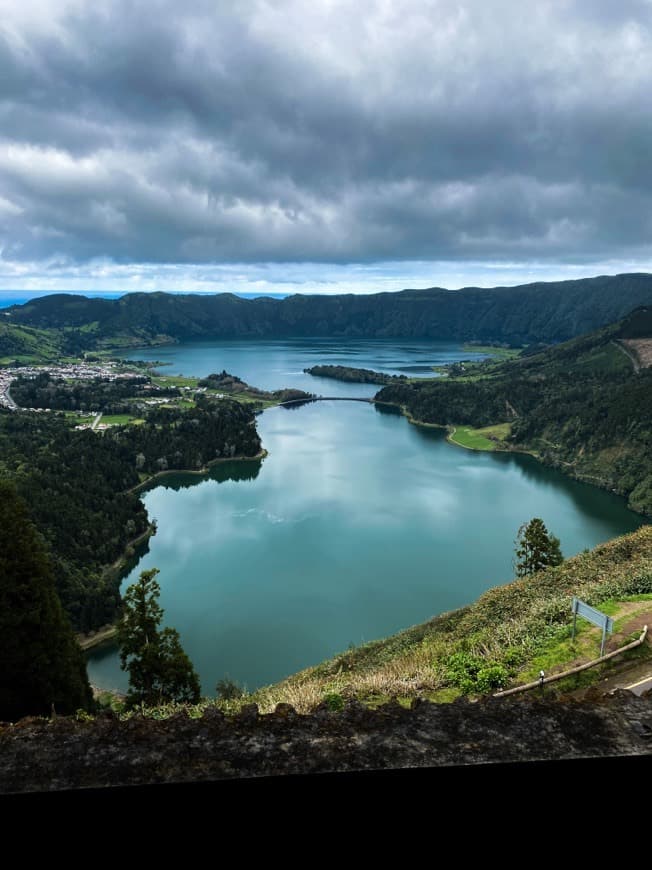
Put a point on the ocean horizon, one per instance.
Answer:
(20, 297)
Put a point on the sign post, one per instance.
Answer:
(606, 623)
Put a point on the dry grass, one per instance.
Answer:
(508, 628)
(517, 619)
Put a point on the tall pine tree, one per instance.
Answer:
(159, 669)
(41, 665)
(536, 548)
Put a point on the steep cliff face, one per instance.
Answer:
(38, 755)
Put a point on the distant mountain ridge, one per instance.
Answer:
(547, 312)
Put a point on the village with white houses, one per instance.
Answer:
(68, 371)
(86, 371)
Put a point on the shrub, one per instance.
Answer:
(228, 690)
(491, 677)
(334, 701)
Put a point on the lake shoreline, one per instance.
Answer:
(597, 482)
(353, 530)
(102, 636)
(106, 635)
(200, 472)
(107, 632)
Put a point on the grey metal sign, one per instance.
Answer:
(606, 623)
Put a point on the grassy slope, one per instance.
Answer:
(513, 627)
(28, 345)
(500, 640)
(486, 438)
(494, 351)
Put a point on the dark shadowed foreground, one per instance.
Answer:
(39, 755)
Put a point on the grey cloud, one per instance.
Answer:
(332, 132)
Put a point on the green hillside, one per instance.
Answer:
(79, 486)
(581, 406)
(541, 312)
(26, 344)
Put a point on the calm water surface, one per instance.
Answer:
(273, 364)
(356, 525)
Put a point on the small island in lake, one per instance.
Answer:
(355, 376)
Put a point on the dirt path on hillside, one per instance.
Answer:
(631, 356)
(88, 641)
(511, 408)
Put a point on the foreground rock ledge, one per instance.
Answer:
(39, 755)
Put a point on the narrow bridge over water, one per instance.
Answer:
(369, 401)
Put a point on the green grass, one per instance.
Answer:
(590, 677)
(487, 438)
(608, 358)
(174, 381)
(121, 419)
(247, 399)
(444, 696)
(244, 397)
(28, 345)
(23, 359)
(493, 351)
(610, 606)
(90, 327)
(77, 420)
(587, 642)
(474, 372)
(500, 431)
(563, 651)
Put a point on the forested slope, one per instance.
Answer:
(580, 406)
(546, 312)
(75, 484)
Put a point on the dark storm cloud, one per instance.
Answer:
(330, 131)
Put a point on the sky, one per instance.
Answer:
(281, 146)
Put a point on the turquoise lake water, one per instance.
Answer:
(356, 525)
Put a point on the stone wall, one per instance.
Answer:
(40, 755)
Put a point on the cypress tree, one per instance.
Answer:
(536, 548)
(159, 669)
(41, 665)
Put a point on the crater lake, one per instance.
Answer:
(357, 524)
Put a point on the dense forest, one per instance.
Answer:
(353, 375)
(541, 312)
(580, 406)
(172, 438)
(96, 394)
(41, 665)
(75, 485)
(72, 482)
